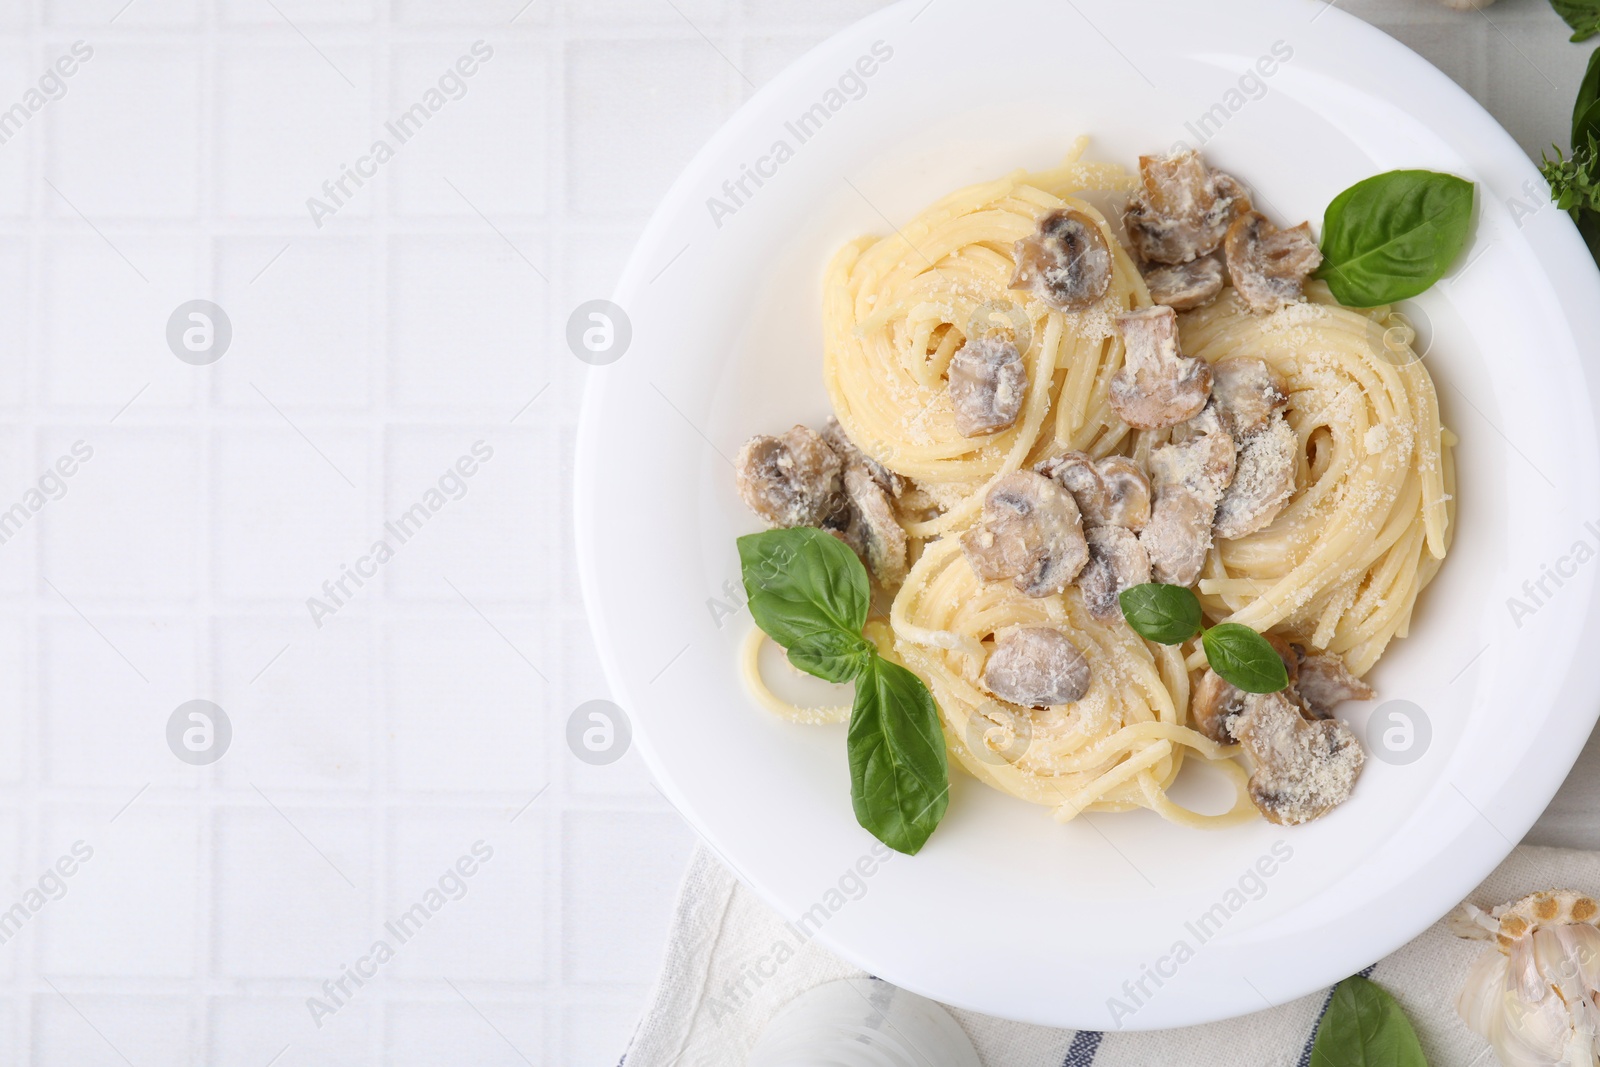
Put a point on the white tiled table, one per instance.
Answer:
(427, 314)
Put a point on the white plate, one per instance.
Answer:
(1005, 911)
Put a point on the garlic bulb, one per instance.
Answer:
(1466, 5)
(1533, 995)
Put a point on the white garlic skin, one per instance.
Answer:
(1466, 5)
(1536, 1006)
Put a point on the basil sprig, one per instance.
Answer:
(1170, 615)
(1393, 235)
(1584, 117)
(1365, 1027)
(810, 594)
(1575, 181)
(1582, 15)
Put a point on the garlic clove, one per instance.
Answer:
(1537, 1034)
(1483, 993)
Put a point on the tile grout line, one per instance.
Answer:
(203, 394)
(379, 417)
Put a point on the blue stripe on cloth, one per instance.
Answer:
(1085, 1043)
(1305, 1053)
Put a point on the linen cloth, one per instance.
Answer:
(720, 926)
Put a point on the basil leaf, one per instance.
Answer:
(805, 588)
(1365, 1027)
(832, 657)
(1589, 226)
(1244, 658)
(1582, 15)
(899, 776)
(1588, 95)
(1392, 236)
(1165, 614)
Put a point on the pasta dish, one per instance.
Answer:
(1040, 410)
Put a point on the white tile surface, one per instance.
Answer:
(368, 355)
(294, 888)
(465, 317)
(289, 120)
(322, 356)
(114, 153)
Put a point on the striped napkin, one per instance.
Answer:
(707, 1011)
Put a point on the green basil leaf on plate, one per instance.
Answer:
(1582, 15)
(1244, 658)
(1392, 236)
(899, 775)
(1165, 614)
(1365, 1027)
(833, 657)
(804, 587)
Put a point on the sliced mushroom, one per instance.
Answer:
(1263, 480)
(1184, 286)
(1066, 263)
(1325, 682)
(1269, 266)
(1189, 477)
(1183, 209)
(1030, 532)
(1214, 706)
(1157, 386)
(872, 520)
(1178, 536)
(1117, 561)
(1199, 459)
(1216, 703)
(987, 384)
(846, 450)
(1037, 667)
(1303, 768)
(792, 480)
(1110, 492)
(1247, 392)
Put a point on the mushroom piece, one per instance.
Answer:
(1324, 682)
(1303, 768)
(1066, 263)
(1189, 477)
(1216, 703)
(1110, 492)
(1214, 706)
(1036, 667)
(1178, 536)
(1263, 480)
(792, 480)
(873, 524)
(1269, 266)
(1183, 209)
(1184, 286)
(1157, 386)
(1117, 561)
(1247, 392)
(846, 450)
(1030, 532)
(987, 384)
